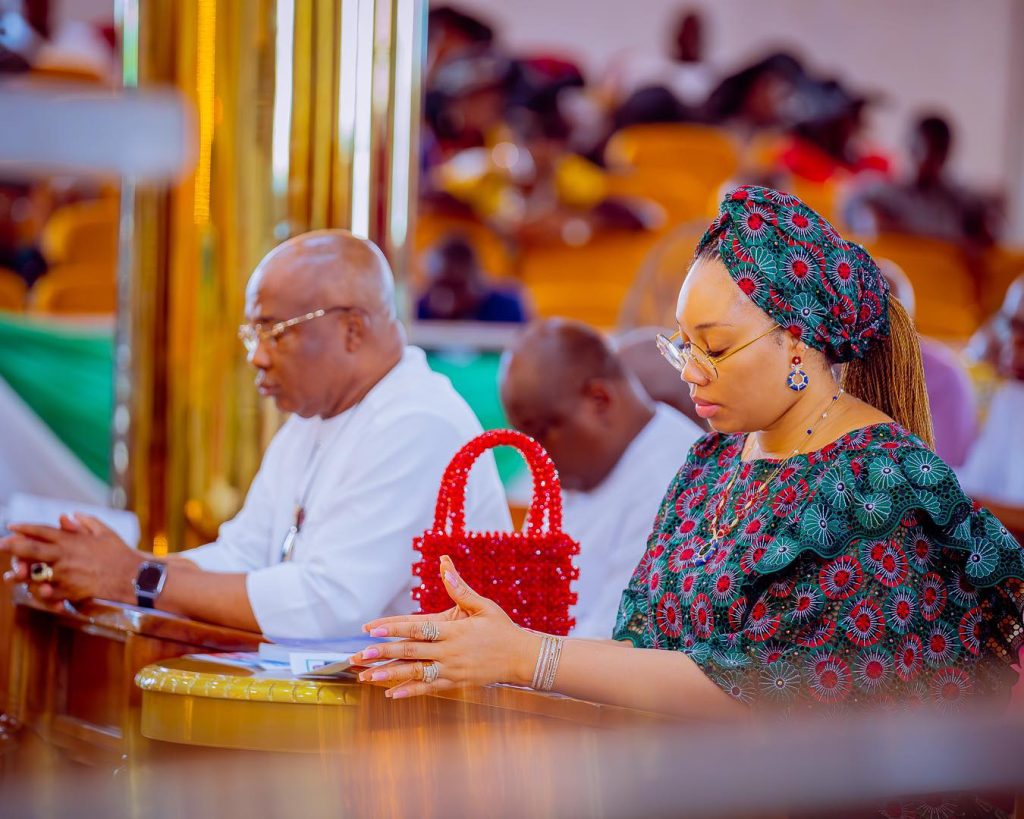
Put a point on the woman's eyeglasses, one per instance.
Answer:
(252, 335)
(679, 353)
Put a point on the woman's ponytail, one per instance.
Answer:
(891, 376)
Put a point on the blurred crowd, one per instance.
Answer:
(525, 144)
(57, 234)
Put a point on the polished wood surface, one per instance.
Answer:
(206, 703)
(70, 671)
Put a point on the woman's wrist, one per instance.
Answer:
(524, 657)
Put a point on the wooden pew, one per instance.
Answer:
(71, 672)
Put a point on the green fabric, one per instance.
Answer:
(475, 377)
(859, 573)
(66, 375)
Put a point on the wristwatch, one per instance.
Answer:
(149, 582)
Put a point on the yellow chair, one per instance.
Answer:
(12, 291)
(74, 296)
(947, 305)
(594, 303)
(85, 232)
(1002, 265)
(708, 154)
(682, 196)
(651, 299)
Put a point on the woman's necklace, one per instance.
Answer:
(720, 531)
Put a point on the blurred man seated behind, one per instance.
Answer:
(994, 470)
(616, 451)
(324, 541)
(458, 290)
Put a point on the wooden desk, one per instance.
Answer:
(71, 673)
(205, 703)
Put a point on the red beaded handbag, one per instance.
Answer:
(527, 573)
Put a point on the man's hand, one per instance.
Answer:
(88, 560)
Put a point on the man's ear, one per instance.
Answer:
(356, 330)
(598, 394)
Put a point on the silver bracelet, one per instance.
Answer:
(547, 663)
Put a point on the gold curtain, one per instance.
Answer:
(306, 115)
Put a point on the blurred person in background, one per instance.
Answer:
(24, 208)
(926, 201)
(763, 96)
(827, 140)
(950, 393)
(458, 290)
(451, 34)
(682, 68)
(615, 449)
(994, 470)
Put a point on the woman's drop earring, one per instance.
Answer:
(797, 379)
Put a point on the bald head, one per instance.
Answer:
(323, 303)
(563, 384)
(554, 359)
(324, 268)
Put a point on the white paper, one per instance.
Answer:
(25, 508)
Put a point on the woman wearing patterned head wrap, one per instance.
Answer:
(812, 550)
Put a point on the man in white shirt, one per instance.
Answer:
(324, 541)
(616, 452)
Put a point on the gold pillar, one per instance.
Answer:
(306, 117)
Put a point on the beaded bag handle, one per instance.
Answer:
(545, 505)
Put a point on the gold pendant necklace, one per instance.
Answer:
(718, 532)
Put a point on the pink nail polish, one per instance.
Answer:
(371, 653)
(377, 676)
(451, 579)
(378, 632)
(401, 692)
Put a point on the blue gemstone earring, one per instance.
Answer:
(797, 379)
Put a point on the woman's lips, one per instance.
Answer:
(705, 409)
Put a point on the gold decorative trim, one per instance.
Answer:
(159, 679)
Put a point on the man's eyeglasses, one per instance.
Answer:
(679, 353)
(252, 335)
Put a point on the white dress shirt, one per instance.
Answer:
(372, 486)
(612, 522)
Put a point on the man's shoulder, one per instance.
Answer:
(414, 392)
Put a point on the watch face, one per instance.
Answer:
(149, 576)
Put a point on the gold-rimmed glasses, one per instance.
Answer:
(679, 353)
(252, 335)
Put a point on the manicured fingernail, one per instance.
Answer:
(377, 676)
(371, 653)
(378, 632)
(401, 692)
(451, 579)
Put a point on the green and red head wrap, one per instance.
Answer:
(795, 266)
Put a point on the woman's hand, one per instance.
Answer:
(476, 644)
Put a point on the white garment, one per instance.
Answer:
(613, 522)
(994, 469)
(34, 460)
(380, 466)
(632, 70)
